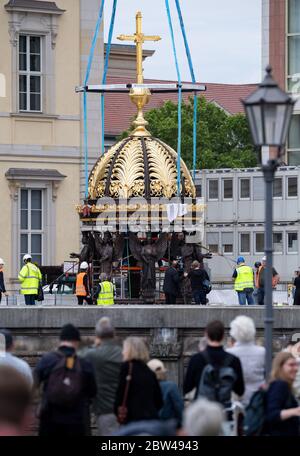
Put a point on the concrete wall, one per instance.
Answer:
(37, 329)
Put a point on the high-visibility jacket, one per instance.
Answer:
(106, 294)
(244, 278)
(80, 288)
(30, 277)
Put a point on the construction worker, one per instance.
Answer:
(260, 281)
(83, 286)
(244, 282)
(105, 291)
(2, 285)
(30, 277)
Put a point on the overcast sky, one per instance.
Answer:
(224, 37)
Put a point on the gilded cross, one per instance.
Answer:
(139, 38)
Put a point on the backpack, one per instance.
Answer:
(216, 382)
(254, 419)
(206, 286)
(65, 384)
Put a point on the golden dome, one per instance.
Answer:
(139, 166)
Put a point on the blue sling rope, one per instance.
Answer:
(87, 76)
(179, 97)
(189, 57)
(110, 35)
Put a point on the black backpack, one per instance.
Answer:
(255, 413)
(65, 383)
(216, 382)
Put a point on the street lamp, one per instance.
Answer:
(269, 111)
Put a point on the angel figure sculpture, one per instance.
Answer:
(108, 250)
(148, 254)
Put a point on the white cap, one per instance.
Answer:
(156, 365)
(2, 262)
(27, 257)
(264, 258)
(84, 265)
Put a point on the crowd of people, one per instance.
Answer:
(121, 391)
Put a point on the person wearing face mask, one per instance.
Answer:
(2, 285)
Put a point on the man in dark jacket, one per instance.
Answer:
(171, 283)
(197, 277)
(217, 356)
(59, 420)
(106, 358)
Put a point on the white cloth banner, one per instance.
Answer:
(176, 210)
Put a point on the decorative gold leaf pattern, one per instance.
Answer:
(100, 170)
(162, 167)
(128, 169)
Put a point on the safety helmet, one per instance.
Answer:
(27, 257)
(84, 265)
(240, 260)
(2, 262)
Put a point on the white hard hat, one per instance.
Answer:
(84, 265)
(1, 261)
(27, 257)
(264, 258)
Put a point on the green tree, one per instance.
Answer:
(223, 141)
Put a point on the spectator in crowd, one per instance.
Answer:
(198, 276)
(106, 358)
(282, 410)
(144, 399)
(243, 282)
(203, 418)
(8, 359)
(2, 284)
(68, 386)
(251, 355)
(297, 289)
(171, 283)
(214, 357)
(15, 401)
(172, 401)
(260, 281)
(293, 347)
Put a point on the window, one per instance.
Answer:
(30, 73)
(293, 145)
(292, 242)
(213, 189)
(31, 224)
(278, 242)
(244, 242)
(244, 188)
(259, 242)
(258, 189)
(292, 187)
(227, 189)
(293, 44)
(277, 187)
(212, 241)
(227, 242)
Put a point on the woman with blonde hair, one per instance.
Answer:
(138, 396)
(282, 410)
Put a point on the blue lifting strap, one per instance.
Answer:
(189, 58)
(110, 35)
(87, 76)
(179, 98)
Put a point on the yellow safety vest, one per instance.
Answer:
(30, 277)
(106, 295)
(244, 278)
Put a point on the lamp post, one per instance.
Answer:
(269, 110)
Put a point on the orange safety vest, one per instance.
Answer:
(275, 279)
(80, 288)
